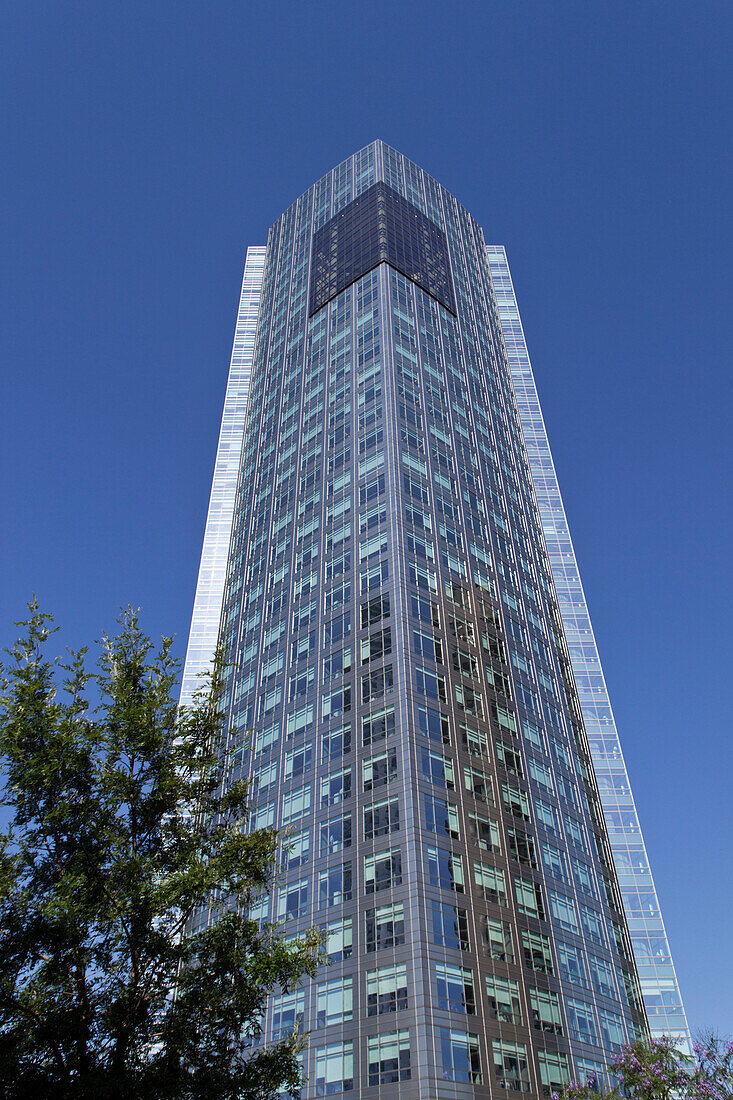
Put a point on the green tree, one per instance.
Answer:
(121, 831)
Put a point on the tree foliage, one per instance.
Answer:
(121, 831)
(659, 1070)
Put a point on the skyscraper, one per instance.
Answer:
(400, 690)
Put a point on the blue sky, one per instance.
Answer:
(147, 144)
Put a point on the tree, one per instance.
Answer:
(121, 831)
(658, 1070)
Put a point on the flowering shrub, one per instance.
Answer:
(658, 1070)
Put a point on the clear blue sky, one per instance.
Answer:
(146, 144)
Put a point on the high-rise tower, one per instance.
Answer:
(400, 691)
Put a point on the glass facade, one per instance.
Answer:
(212, 570)
(400, 691)
(653, 958)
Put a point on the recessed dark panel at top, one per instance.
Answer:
(379, 227)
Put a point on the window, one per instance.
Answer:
(430, 683)
(441, 816)
(554, 1072)
(374, 610)
(491, 883)
(377, 726)
(337, 628)
(581, 1021)
(510, 1065)
(263, 816)
(335, 743)
(427, 645)
(612, 1028)
(571, 964)
(298, 761)
(301, 683)
(334, 1068)
(537, 954)
(293, 900)
(336, 702)
(374, 685)
(381, 818)
(521, 847)
(503, 996)
(602, 976)
(545, 1009)
(295, 803)
(479, 784)
(529, 898)
(563, 910)
(592, 923)
(475, 741)
(454, 986)
(497, 939)
(386, 989)
(379, 770)
(286, 1014)
(296, 849)
(339, 939)
(385, 927)
(485, 833)
(334, 1002)
(334, 885)
(377, 645)
(336, 664)
(336, 787)
(450, 926)
(460, 1056)
(382, 871)
(374, 577)
(515, 800)
(335, 835)
(554, 861)
(433, 725)
(298, 721)
(438, 769)
(388, 1058)
(445, 869)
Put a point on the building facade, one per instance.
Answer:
(400, 690)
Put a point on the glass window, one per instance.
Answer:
(334, 885)
(545, 1009)
(381, 818)
(334, 1068)
(445, 869)
(454, 985)
(293, 900)
(339, 939)
(335, 834)
(504, 1003)
(460, 1058)
(497, 939)
(385, 926)
(334, 1002)
(537, 954)
(379, 770)
(377, 726)
(336, 787)
(388, 1058)
(386, 989)
(510, 1065)
(554, 1071)
(286, 1012)
(382, 871)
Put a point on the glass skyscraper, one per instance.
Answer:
(413, 688)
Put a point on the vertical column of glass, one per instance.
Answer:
(204, 630)
(651, 949)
